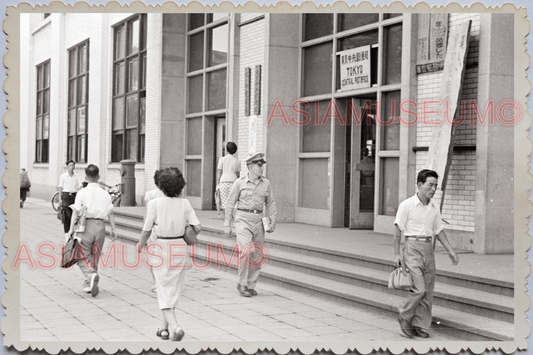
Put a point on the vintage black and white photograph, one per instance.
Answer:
(339, 176)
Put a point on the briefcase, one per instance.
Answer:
(70, 249)
(400, 279)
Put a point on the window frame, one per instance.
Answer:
(121, 146)
(73, 153)
(42, 111)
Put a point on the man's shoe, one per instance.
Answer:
(94, 284)
(407, 329)
(251, 291)
(243, 291)
(419, 332)
(87, 289)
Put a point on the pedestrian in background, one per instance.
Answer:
(97, 206)
(228, 170)
(25, 185)
(166, 220)
(418, 218)
(250, 193)
(69, 185)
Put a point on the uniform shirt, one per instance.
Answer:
(168, 216)
(229, 165)
(152, 194)
(95, 199)
(69, 183)
(250, 196)
(415, 219)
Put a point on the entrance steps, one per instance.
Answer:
(476, 305)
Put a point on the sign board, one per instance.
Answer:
(432, 37)
(252, 134)
(441, 147)
(355, 68)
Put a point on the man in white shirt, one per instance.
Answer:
(69, 185)
(418, 218)
(97, 205)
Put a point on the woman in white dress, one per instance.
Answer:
(228, 170)
(165, 222)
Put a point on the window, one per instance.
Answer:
(129, 90)
(78, 102)
(207, 72)
(46, 15)
(42, 130)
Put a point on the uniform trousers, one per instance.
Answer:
(92, 242)
(419, 258)
(249, 229)
(67, 200)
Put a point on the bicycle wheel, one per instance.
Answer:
(56, 201)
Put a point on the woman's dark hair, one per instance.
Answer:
(231, 147)
(171, 182)
(156, 177)
(424, 174)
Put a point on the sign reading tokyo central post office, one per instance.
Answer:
(355, 68)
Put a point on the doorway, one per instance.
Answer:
(220, 147)
(360, 163)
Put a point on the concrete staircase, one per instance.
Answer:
(479, 306)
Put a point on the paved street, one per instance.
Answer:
(54, 307)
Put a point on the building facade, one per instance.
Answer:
(338, 102)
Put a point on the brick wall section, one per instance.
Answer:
(252, 53)
(459, 204)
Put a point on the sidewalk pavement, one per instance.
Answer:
(55, 308)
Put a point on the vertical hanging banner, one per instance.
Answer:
(355, 68)
(441, 147)
(432, 36)
(257, 90)
(247, 91)
(252, 134)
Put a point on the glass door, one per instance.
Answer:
(363, 163)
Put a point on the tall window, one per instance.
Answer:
(42, 113)
(207, 70)
(129, 90)
(78, 98)
(325, 38)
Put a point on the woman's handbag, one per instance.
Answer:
(190, 236)
(400, 279)
(70, 249)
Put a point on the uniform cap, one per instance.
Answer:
(255, 158)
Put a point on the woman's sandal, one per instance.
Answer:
(177, 336)
(163, 334)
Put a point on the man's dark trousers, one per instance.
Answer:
(67, 199)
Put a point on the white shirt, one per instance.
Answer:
(168, 216)
(415, 219)
(69, 183)
(229, 165)
(96, 200)
(153, 194)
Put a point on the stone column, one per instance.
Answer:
(494, 229)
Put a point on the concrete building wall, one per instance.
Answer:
(252, 53)
(459, 203)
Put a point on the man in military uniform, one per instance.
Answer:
(251, 193)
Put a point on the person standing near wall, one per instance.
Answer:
(69, 185)
(25, 185)
(250, 193)
(228, 170)
(418, 218)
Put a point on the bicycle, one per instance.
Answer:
(113, 191)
